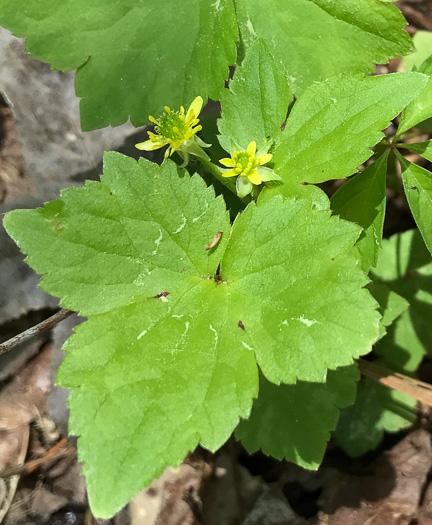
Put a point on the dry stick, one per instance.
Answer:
(53, 452)
(400, 382)
(57, 451)
(35, 330)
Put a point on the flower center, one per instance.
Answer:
(172, 126)
(245, 162)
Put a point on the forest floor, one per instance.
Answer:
(42, 150)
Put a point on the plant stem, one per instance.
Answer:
(35, 330)
(228, 182)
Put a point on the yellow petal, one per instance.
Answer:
(148, 145)
(255, 178)
(152, 120)
(252, 147)
(229, 163)
(265, 158)
(229, 173)
(195, 108)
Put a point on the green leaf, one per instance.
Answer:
(133, 56)
(292, 264)
(318, 39)
(334, 123)
(151, 375)
(168, 357)
(420, 108)
(112, 227)
(405, 266)
(422, 148)
(425, 125)
(294, 422)
(423, 44)
(152, 380)
(362, 200)
(377, 409)
(392, 305)
(255, 106)
(418, 190)
(314, 195)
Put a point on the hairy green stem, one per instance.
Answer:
(228, 182)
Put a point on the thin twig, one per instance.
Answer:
(57, 451)
(35, 330)
(400, 382)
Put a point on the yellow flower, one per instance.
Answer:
(177, 129)
(247, 165)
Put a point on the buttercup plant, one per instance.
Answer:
(204, 321)
(177, 130)
(247, 166)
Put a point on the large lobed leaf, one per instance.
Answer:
(168, 357)
(280, 262)
(316, 39)
(133, 56)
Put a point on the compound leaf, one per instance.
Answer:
(255, 106)
(294, 422)
(127, 52)
(168, 357)
(318, 39)
(362, 200)
(334, 123)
